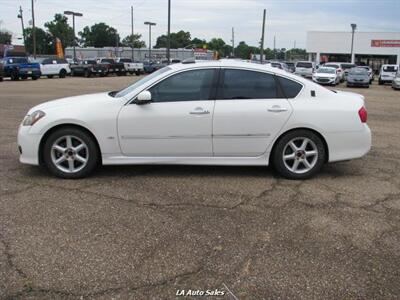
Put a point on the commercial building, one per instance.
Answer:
(138, 54)
(369, 48)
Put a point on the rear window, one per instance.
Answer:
(390, 68)
(290, 88)
(126, 60)
(107, 60)
(304, 65)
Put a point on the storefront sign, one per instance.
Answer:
(385, 43)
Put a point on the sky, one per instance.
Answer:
(287, 20)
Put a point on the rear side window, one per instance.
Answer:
(243, 84)
(290, 88)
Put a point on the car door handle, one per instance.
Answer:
(199, 111)
(277, 108)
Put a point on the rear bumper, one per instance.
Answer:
(349, 145)
(23, 72)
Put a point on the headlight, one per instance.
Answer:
(33, 118)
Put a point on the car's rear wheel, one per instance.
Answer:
(70, 153)
(49, 76)
(63, 73)
(299, 154)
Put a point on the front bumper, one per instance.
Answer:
(358, 83)
(28, 145)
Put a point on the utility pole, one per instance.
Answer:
(294, 45)
(233, 42)
(33, 30)
(133, 40)
(169, 33)
(150, 24)
(353, 29)
(274, 47)
(74, 14)
(262, 38)
(20, 16)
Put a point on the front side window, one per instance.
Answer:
(244, 84)
(186, 86)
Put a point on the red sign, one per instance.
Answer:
(385, 43)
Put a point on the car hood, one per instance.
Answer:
(78, 101)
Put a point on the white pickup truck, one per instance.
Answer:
(130, 66)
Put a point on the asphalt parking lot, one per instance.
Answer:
(144, 232)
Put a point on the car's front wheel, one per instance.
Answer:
(299, 154)
(70, 153)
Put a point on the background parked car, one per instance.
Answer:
(370, 72)
(113, 67)
(55, 66)
(346, 67)
(279, 65)
(358, 77)
(387, 73)
(304, 68)
(338, 68)
(20, 67)
(131, 66)
(396, 82)
(1, 71)
(88, 68)
(152, 66)
(326, 75)
(291, 66)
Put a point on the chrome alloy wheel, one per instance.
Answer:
(69, 154)
(300, 155)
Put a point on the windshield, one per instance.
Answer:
(358, 71)
(304, 65)
(17, 60)
(127, 60)
(347, 66)
(107, 60)
(332, 66)
(390, 68)
(326, 70)
(89, 62)
(140, 82)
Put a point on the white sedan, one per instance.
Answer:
(326, 75)
(200, 113)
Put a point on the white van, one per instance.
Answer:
(304, 68)
(387, 73)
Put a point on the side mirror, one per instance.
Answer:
(143, 97)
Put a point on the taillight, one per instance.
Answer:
(363, 114)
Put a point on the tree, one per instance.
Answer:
(198, 43)
(5, 37)
(59, 28)
(180, 39)
(216, 44)
(44, 41)
(243, 50)
(99, 35)
(137, 43)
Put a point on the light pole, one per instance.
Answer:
(74, 14)
(20, 16)
(150, 24)
(169, 32)
(353, 28)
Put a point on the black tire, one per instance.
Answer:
(14, 75)
(137, 73)
(278, 162)
(93, 155)
(1, 78)
(24, 77)
(35, 77)
(50, 76)
(63, 73)
(87, 73)
(380, 82)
